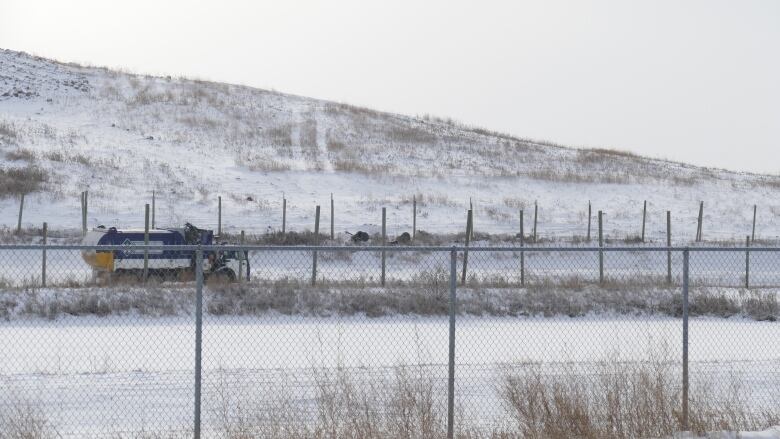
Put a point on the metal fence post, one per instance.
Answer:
(685, 341)
(43, 261)
(601, 252)
(198, 335)
(451, 361)
(747, 262)
(146, 243)
(522, 253)
(384, 242)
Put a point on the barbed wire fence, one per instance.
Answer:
(393, 340)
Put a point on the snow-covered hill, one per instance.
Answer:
(68, 128)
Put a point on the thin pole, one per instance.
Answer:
(753, 233)
(451, 362)
(146, 242)
(384, 241)
(466, 251)
(219, 215)
(685, 342)
(43, 261)
(471, 209)
(644, 217)
(331, 217)
(241, 258)
(699, 222)
(21, 208)
(668, 244)
(84, 211)
(153, 209)
(589, 216)
(601, 252)
(536, 214)
(198, 335)
(284, 215)
(522, 252)
(414, 216)
(747, 262)
(316, 242)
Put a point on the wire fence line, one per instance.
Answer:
(440, 339)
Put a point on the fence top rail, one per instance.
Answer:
(388, 248)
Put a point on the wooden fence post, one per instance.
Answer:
(331, 217)
(219, 215)
(84, 212)
(316, 242)
(699, 222)
(43, 260)
(19, 222)
(668, 244)
(589, 216)
(146, 242)
(536, 214)
(414, 216)
(753, 233)
(644, 218)
(384, 242)
(522, 252)
(466, 250)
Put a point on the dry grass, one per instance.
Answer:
(22, 180)
(620, 400)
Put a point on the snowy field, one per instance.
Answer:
(130, 374)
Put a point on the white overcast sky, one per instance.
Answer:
(697, 81)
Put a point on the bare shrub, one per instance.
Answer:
(617, 400)
(17, 181)
(23, 420)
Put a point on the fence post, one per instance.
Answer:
(522, 252)
(685, 341)
(414, 216)
(198, 335)
(219, 215)
(536, 214)
(451, 360)
(644, 218)
(589, 215)
(284, 215)
(753, 233)
(668, 245)
(699, 222)
(471, 229)
(384, 242)
(241, 258)
(316, 242)
(466, 250)
(146, 242)
(331, 217)
(747, 262)
(601, 252)
(43, 261)
(19, 223)
(84, 210)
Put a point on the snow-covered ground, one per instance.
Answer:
(132, 373)
(122, 136)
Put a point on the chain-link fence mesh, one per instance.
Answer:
(354, 341)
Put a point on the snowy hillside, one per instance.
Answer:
(67, 128)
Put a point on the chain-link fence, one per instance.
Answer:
(224, 341)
